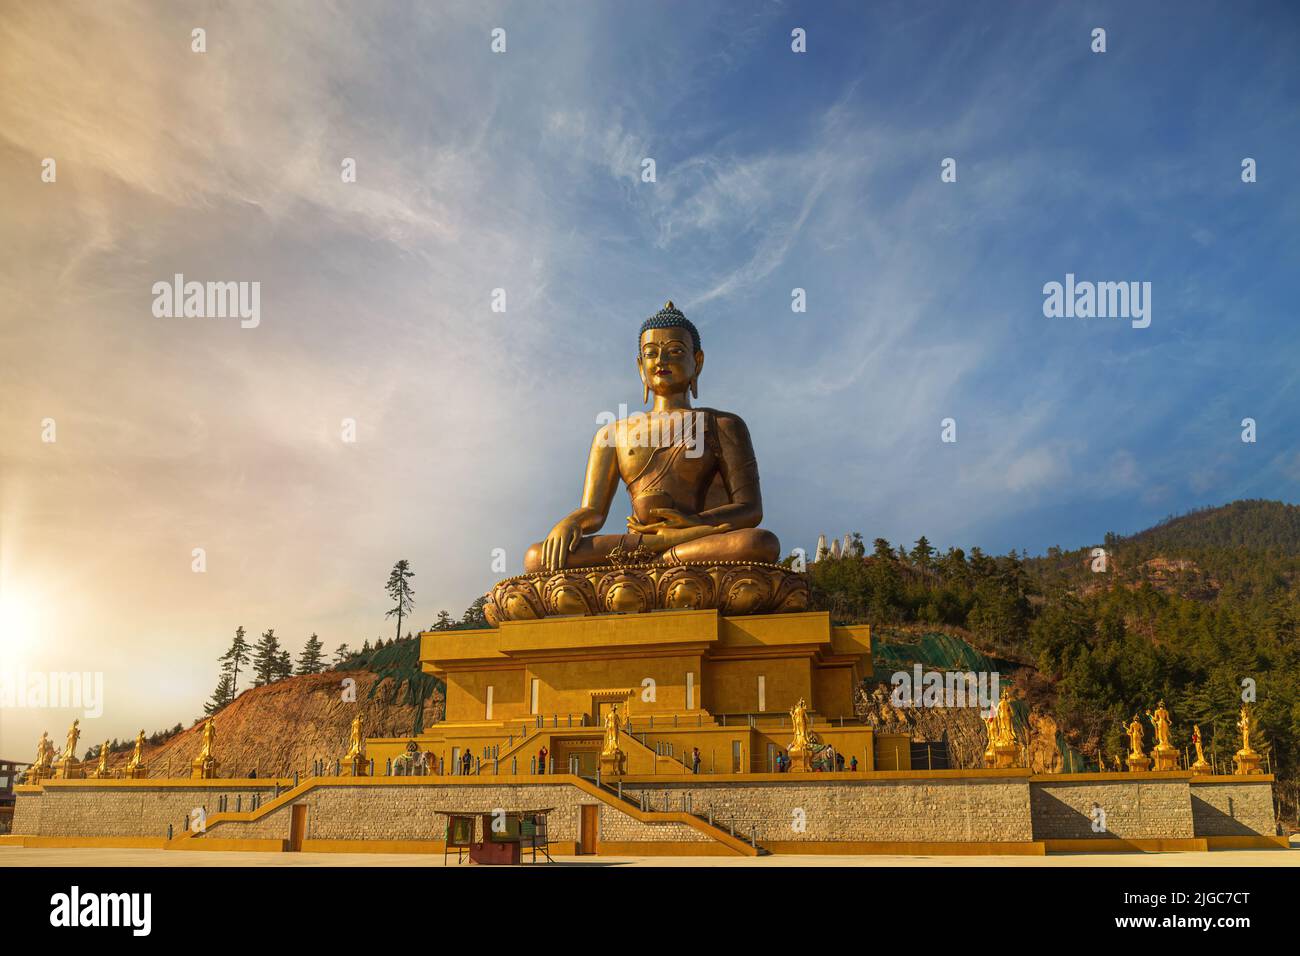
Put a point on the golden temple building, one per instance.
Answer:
(684, 680)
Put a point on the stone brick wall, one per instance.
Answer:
(955, 810)
(1233, 809)
(408, 812)
(92, 810)
(1135, 809)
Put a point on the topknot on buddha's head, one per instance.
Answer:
(670, 317)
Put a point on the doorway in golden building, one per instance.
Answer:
(588, 828)
(297, 826)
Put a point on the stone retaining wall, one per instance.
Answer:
(1099, 807)
(408, 812)
(961, 810)
(1233, 809)
(115, 811)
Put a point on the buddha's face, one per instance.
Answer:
(667, 361)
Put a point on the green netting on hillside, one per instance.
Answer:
(400, 661)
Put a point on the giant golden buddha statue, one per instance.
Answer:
(692, 539)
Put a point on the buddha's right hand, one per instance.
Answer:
(564, 537)
(666, 538)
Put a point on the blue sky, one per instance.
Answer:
(522, 171)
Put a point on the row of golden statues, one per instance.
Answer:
(1164, 756)
(1003, 748)
(65, 765)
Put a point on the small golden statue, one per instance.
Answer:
(204, 766)
(358, 765)
(1006, 746)
(693, 539)
(1164, 752)
(69, 767)
(1202, 765)
(43, 768)
(101, 771)
(801, 748)
(1137, 759)
(135, 768)
(991, 731)
(612, 758)
(1246, 760)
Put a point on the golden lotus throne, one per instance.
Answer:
(692, 540)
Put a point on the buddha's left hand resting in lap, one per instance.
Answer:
(691, 473)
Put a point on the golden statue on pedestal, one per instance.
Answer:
(1202, 765)
(204, 766)
(802, 747)
(357, 763)
(1246, 760)
(69, 767)
(43, 768)
(612, 758)
(1006, 746)
(101, 771)
(692, 540)
(1164, 752)
(991, 732)
(1137, 760)
(135, 768)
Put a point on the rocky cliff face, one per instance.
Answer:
(287, 725)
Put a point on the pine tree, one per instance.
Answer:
(342, 653)
(399, 591)
(311, 660)
(444, 622)
(473, 616)
(221, 696)
(283, 666)
(233, 659)
(266, 656)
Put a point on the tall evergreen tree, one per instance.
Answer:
(234, 659)
(444, 622)
(342, 653)
(283, 666)
(266, 658)
(223, 695)
(399, 591)
(312, 660)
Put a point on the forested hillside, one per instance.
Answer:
(1185, 611)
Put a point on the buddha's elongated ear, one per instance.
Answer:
(645, 382)
(695, 379)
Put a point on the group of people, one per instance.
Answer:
(829, 758)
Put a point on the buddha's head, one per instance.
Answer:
(669, 357)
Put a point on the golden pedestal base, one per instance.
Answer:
(203, 768)
(613, 765)
(1138, 763)
(1165, 758)
(1246, 762)
(69, 769)
(800, 760)
(1202, 766)
(356, 765)
(733, 587)
(37, 774)
(1005, 756)
(136, 773)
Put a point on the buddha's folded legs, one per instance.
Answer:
(742, 544)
